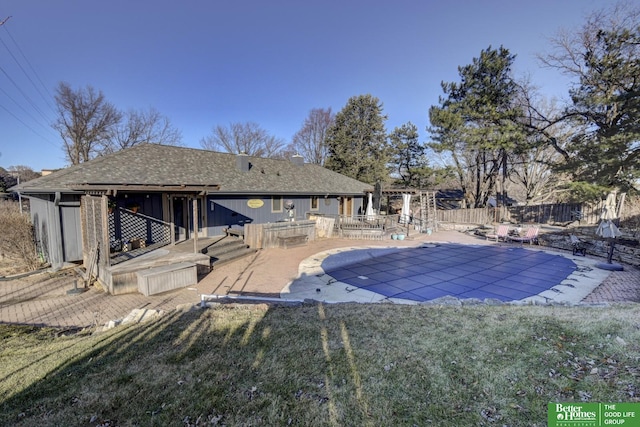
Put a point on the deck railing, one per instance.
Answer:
(130, 230)
(368, 227)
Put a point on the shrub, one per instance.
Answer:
(16, 240)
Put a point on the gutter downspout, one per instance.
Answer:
(57, 255)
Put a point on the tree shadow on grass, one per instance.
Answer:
(225, 362)
(318, 364)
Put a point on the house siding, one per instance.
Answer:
(42, 219)
(172, 176)
(71, 233)
(223, 212)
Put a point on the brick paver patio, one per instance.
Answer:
(43, 299)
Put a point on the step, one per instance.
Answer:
(230, 256)
(227, 250)
(224, 246)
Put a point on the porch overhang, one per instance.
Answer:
(114, 189)
(292, 193)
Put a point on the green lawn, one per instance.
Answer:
(317, 365)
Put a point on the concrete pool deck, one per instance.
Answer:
(420, 275)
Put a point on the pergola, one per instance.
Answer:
(427, 203)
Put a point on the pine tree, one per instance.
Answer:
(477, 123)
(408, 157)
(357, 141)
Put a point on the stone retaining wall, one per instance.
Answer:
(626, 251)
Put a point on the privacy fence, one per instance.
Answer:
(559, 213)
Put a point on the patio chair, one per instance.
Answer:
(579, 246)
(531, 236)
(502, 232)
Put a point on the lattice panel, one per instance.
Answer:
(112, 225)
(91, 209)
(137, 226)
(160, 232)
(428, 210)
(132, 226)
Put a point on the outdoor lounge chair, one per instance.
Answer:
(502, 232)
(531, 236)
(578, 245)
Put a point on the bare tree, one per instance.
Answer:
(140, 127)
(86, 121)
(533, 161)
(248, 138)
(25, 173)
(271, 147)
(309, 141)
(603, 58)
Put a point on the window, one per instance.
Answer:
(315, 203)
(276, 203)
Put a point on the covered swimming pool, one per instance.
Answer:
(431, 271)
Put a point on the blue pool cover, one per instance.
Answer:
(464, 271)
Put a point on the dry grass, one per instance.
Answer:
(17, 246)
(324, 365)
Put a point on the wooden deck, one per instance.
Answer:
(200, 247)
(186, 246)
(128, 268)
(121, 277)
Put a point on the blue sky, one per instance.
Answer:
(204, 63)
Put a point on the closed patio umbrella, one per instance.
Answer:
(369, 213)
(608, 230)
(406, 208)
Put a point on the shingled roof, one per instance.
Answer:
(168, 168)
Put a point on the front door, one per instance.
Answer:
(182, 207)
(346, 206)
(180, 218)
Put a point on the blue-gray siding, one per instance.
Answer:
(223, 212)
(57, 228)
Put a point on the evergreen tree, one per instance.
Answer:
(477, 123)
(357, 142)
(408, 158)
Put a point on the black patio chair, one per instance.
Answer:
(579, 246)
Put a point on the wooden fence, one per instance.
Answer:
(559, 213)
(466, 216)
(260, 236)
(362, 227)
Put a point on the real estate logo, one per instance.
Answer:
(576, 414)
(592, 414)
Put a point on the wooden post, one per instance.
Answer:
(195, 225)
(105, 259)
(172, 215)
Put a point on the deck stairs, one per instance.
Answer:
(158, 270)
(226, 250)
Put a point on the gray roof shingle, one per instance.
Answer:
(162, 165)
